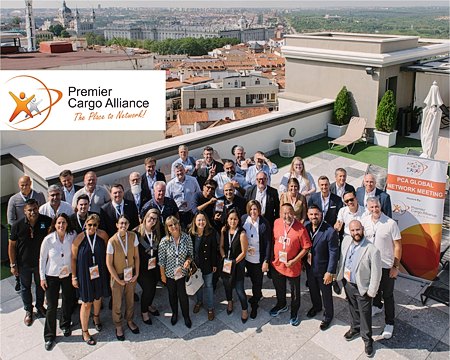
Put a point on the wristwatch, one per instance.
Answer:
(12, 265)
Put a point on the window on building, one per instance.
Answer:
(242, 83)
(237, 101)
(272, 96)
(391, 84)
(215, 103)
(191, 103)
(257, 82)
(203, 103)
(226, 102)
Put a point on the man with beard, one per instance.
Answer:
(135, 193)
(54, 206)
(81, 213)
(206, 201)
(360, 270)
(242, 163)
(229, 175)
(329, 203)
(98, 195)
(68, 188)
(207, 167)
(229, 201)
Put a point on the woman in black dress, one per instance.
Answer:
(149, 236)
(90, 275)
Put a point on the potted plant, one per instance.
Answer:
(342, 112)
(386, 121)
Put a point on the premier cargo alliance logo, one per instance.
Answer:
(29, 102)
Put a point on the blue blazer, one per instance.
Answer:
(265, 238)
(385, 200)
(334, 206)
(325, 249)
(347, 187)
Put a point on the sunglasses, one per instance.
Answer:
(92, 225)
(153, 218)
(348, 200)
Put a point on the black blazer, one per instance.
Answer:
(265, 238)
(108, 216)
(63, 196)
(144, 184)
(272, 202)
(333, 207)
(347, 187)
(385, 200)
(130, 197)
(202, 173)
(206, 258)
(325, 250)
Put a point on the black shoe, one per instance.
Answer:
(351, 334)
(325, 325)
(40, 312)
(17, 287)
(120, 337)
(312, 312)
(154, 313)
(337, 289)
(136, 297)
(148, 321)
(67, 331)
(135, 330)
(49, 345)
(254, 311)
(98, 326)
(174, 319)
(369, 349)
(188, 323)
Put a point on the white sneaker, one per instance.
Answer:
(376, 310)
(387, 332)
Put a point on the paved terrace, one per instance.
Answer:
(421, 332)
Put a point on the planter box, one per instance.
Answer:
(335, 131)
(385, 139)
(286, 148)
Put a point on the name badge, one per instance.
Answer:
(93, 272)
(227, 264)
(251, 251)
(282, 255)
(151, 263)
(309, 258)
(178, 273)
(64, 272)
(347, 274)
(127, 274)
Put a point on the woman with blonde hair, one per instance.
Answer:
(307, 186)
(297, 200)
(149, 236)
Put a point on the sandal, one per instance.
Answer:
(98, 326)
(90, 340)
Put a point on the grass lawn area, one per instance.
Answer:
(370, 153)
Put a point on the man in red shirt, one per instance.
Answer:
(291, 243)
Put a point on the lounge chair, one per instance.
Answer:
(443, 149)
(445, 116)
(354, 133)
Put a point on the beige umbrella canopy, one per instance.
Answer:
(431, 121)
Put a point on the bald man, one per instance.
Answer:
(370, 190)
(98, 195)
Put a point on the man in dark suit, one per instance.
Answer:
(321, 265)
(230, 201)
(340, 186)
(68, 188)
(329, 203)
(110, 212)
(267, 197)
(135, 192)
(369, 190)
(207, 167)
(149, 178)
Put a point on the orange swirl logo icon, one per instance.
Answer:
(30, 102)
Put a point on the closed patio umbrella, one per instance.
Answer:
(431, 122)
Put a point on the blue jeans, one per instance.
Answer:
(208, 285)
(26, 274)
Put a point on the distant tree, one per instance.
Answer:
(56, 29)
(15, 21)
(64, 33)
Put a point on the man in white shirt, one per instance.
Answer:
(384, 233)
(370, 190)
(261, 164)
(187, 161)
(55, 206)
(98, 195)
(340, 186)
(353, 211)
(68, 188)
(229, 175)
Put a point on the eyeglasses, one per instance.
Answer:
(171, 225)
(92, 225)
(153, 218)
(348, 200)
(263, 179)
(210, 187)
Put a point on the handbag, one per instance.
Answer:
(195, 279)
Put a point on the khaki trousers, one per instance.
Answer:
(117, 295)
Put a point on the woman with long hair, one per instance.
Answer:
(233, 247)
(55, 271)
(307, 186)
(149, 236)
(89, 273)
(204, 240)
(297, 200)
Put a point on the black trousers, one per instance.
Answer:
(279, 282)
(360, 311)
(26, 275)
(177, 292)
(185, 219)
(54, 283)
(256, 276)
(386, 291)
(319, 292)
(148, 281)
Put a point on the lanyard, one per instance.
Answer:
(150, 240)
(315, 233)
(230, 242)
(92, 245)
(125, 249)
(79, 223)
(286, 232)
(176, 248)
(374, 230)
(29, 197)
(90, 198)
(161, 209)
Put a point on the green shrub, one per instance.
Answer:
(386, 120)
(342, 107)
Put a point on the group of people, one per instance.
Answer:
(223, 217)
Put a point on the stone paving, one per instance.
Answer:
(421, 332)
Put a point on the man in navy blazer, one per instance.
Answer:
(135, 192)
(267, 197)
(149, 178)
(110, 212)
(369, 190)
(329, 203)
(340, 186)
(321, 264)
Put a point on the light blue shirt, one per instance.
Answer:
(189, 166)
(222, 178)
(352, 258)
(250, 177)
(183, 193)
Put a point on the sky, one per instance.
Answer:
(229, 3)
